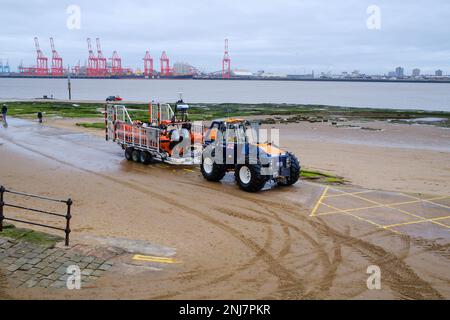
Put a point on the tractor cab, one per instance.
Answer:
(232, 130)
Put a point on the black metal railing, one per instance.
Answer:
(67, 215)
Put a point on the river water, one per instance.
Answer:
(427, 96)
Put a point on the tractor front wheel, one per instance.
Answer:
(212, 171)
(294, 171)
(249, 177)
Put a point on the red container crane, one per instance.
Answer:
(92, 68)
(101, 61)
(165, 65)
(41, 61)
(57, 61)
(226, 63)
(148, 64)
(116, 64)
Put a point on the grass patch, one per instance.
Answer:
(207, 112)
(53, 109)
(321, 177)
(37, 237)
(94, 125)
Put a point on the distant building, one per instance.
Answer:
(392, 74)
(300, 76)
(272, 75)
(416, 72)
(182, 68)
(241, 73)
(399, 72)
(438, 73)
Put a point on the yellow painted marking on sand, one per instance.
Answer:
(419, 221)
(430, 200)
(154, 259)
(377, 206)
(362, 219)
(393, 207)
(345, 194)
(188, 170)
(319, 201)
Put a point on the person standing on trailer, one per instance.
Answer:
(40, 116)
(4, 112)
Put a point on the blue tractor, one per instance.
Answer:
(233, 145)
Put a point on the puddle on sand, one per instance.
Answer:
(76, 149)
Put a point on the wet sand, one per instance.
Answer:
(232, 244)
(405, 158)
(399, 157)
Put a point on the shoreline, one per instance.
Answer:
(267, 105)
(345, 142)
(355, 155)
(446, 79)
(399, 96)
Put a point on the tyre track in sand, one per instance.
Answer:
(398, 274)
(329, 265)
(274, 267)
(292, 289)
(400, 277)
(260, 253)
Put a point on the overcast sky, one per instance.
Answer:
(279, 36)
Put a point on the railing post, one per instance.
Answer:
(68, 216)
(2, 191)
(106, 121)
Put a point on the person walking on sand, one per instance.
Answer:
(4, 112)
(40, 116)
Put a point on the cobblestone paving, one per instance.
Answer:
(27, 265)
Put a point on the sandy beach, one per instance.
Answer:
(236, 245)
(396, 157)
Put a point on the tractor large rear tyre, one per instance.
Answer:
(295, 171)
(212, 171)
(249, 177)
(128, 153)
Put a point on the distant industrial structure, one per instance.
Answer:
(98, 65)
(226, 63)
(57, 62)
(4, 68)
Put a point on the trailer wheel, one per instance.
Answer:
(249, 177)
(294, 172)
(136, 155)
(145, 157)
(128, 154)
(212, 171)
